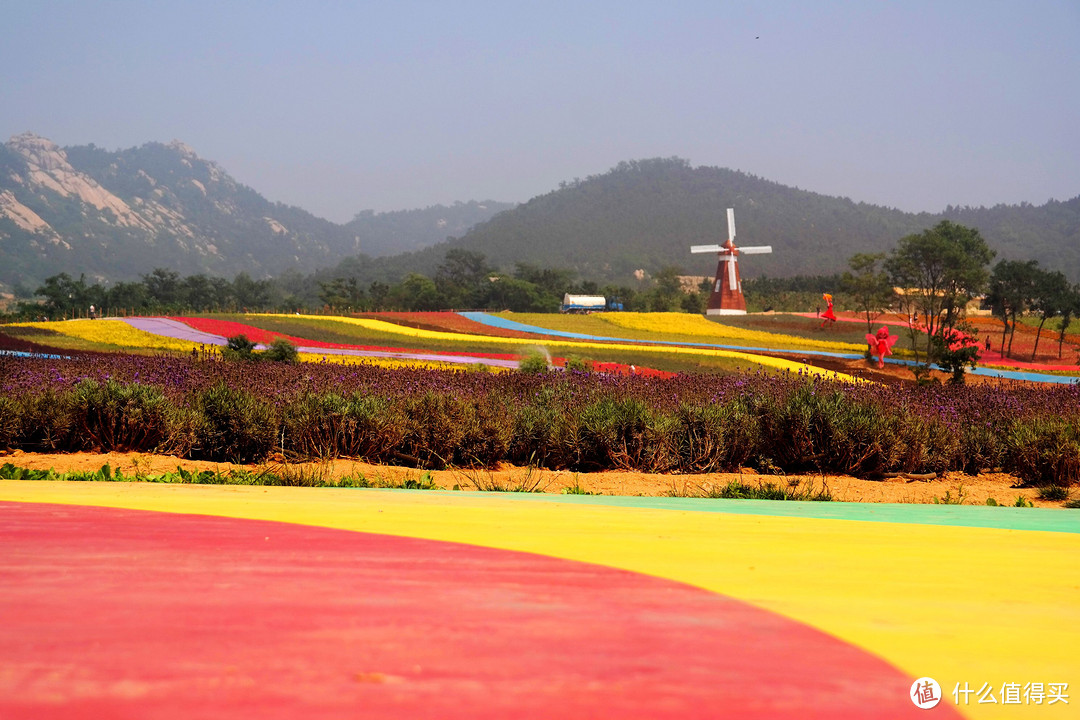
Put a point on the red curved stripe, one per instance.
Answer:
(229, 328)
(119, 613)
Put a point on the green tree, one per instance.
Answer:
(163, 287)
(378, 292)
(1069, 312)
(940, 270)
(343, 294)
(415, 293)
(1011, 288)
(250, 294)
(1050, 297)
(63, 295)
(667, 293)
(511, 293)
(461, 278)
(868, 285)
(128, 295)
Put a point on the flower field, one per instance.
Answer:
(106, 335)
(699, 327)
(576, 421)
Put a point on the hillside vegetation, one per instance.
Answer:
(645, 215)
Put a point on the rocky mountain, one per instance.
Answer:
(117, 214)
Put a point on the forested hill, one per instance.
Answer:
(646, 214)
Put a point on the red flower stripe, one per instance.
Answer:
(229, 328)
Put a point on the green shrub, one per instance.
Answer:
(235, 425)
(625, 433)
(1053, 492)
(544, 431)
(46, 420)
(281, 350)
(332, 425)
(114, 417)
(534, 362)
(238, 347)
(714, 438)
(442, 430)
(578, 364)
(1044, 451)
(11, 414)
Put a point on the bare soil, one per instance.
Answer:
(972, 490)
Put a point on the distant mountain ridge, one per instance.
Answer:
(644, 215)
(118, 214)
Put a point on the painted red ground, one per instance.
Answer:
(113, 613)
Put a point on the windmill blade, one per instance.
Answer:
(755, 250)
(705, 248)
(731, 272)
(731, 224)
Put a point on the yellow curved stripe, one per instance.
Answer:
(392, 363)
(110, 331)
(668, 323)
(419, 333)
(958, 604)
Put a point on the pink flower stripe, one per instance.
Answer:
(622, 369)
(229, 328)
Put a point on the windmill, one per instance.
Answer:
(727, 297)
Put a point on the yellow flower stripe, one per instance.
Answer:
(772, 362)
(116, 333)
(392, 363)
(683, 324)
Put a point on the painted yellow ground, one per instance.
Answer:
(958, 604)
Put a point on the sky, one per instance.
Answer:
(339, 107)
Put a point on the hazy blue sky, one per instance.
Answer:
(338, 107)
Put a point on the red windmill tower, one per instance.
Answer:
(727, 297)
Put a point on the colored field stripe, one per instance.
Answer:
(960, 604)
(767, 361)
(168, 327)
(507, 324)
(129, 613)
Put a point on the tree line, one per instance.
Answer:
(938, 273)
(463, 281)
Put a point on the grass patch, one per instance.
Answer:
(762, 490)
(1053, 492)
(282, 475)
